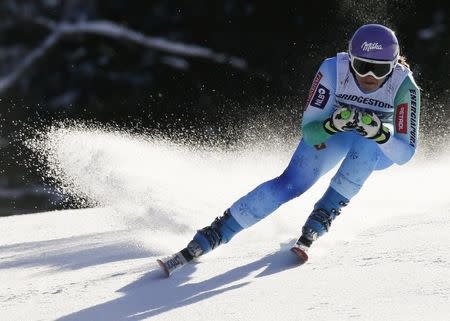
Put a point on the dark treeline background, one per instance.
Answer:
(198, 67)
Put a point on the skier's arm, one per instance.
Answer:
(320, 104)
(401, 146)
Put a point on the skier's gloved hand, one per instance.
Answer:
(342, 120)
(369, 125)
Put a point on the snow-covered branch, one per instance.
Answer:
(115, 31)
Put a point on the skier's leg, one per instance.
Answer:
(307, 165)
(363, 158)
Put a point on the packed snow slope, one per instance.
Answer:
(387, 257)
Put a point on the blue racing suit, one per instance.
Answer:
(396, 103)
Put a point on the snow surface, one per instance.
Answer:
(387, 256)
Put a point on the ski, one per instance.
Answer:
(301, 253)
(171, 263)
(176, 261)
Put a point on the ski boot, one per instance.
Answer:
(219, 232)
(319, 222)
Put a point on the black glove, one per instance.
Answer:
(369, 125)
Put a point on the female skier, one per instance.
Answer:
(363, 107)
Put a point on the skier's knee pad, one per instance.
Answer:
(219, 232)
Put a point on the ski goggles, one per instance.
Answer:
(378, 69)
